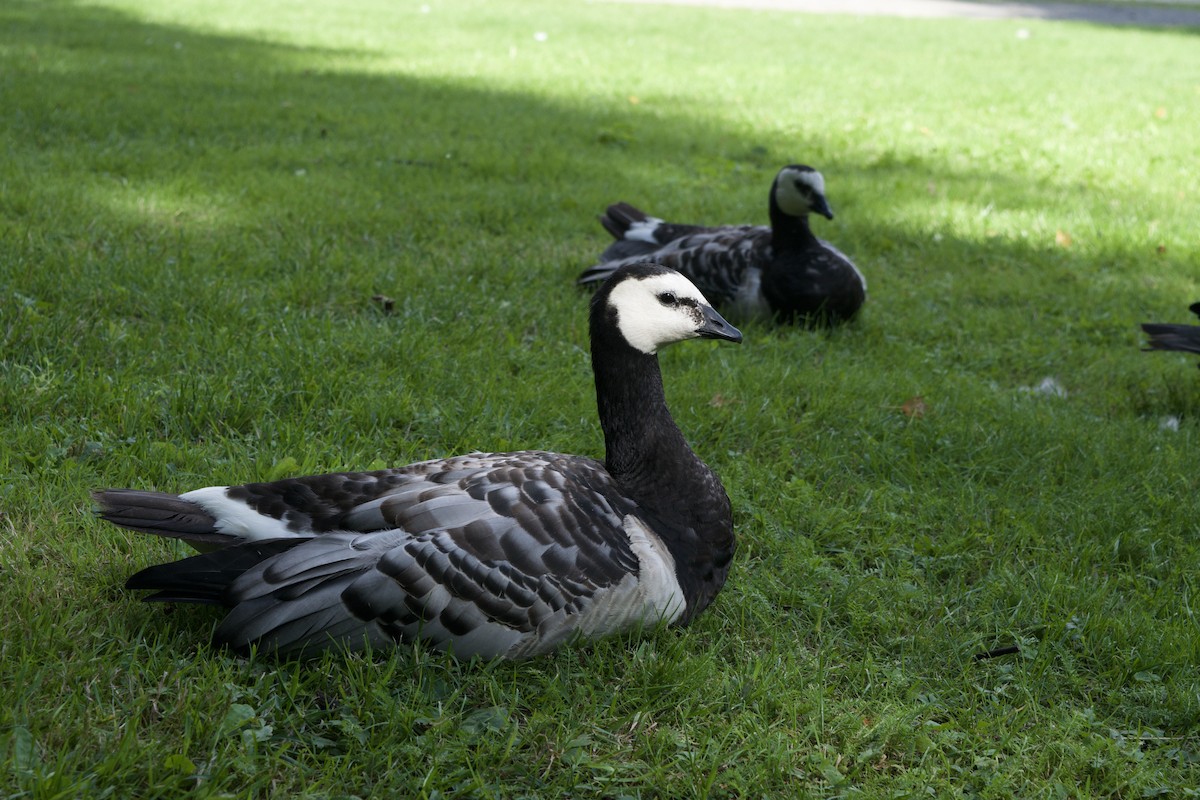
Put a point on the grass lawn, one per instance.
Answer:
(200, 200)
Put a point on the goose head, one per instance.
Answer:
(799, 190)
(651, 306)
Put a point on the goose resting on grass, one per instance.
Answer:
(1166, 336)
(488, 554)
(782, 271)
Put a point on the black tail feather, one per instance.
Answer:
(619, 217)
(1182, 338)
(159, 513)
(205, 578)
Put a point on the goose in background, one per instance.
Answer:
(783, 271)
(1168, 336)
(488, 554)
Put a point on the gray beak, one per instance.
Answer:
(715, 327)
(821, 206)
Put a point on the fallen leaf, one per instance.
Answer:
(719, 400)
(1160, 112)
(177, 762)
(1062, 238)
(914, 407)
(1162, 248)
(633, 100)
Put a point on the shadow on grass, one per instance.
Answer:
(1127, 15)
(201, 143)
(172, 127)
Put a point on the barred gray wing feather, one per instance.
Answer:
(715, 259)
(488, 555)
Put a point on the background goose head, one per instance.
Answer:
(799, 190)
(650, 306)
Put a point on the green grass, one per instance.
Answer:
(198, 202)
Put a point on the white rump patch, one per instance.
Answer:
(643, 231)
(648, 324)
(235, 518)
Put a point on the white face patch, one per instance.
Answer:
(791, 199)
(648, 323)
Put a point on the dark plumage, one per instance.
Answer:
(1166, 336)
(500, 554)
(782, 271)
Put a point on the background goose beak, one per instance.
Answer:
(715, 327)
(821, 206)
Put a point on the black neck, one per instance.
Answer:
(639, 431)
(788, 231)
(645, 452)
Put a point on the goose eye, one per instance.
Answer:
(668, 299)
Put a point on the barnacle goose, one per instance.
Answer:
(782, 271)
(488, 554)
(1167, 336)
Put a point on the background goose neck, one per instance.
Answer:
(788, 231)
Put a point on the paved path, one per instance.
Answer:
(1180, 14)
